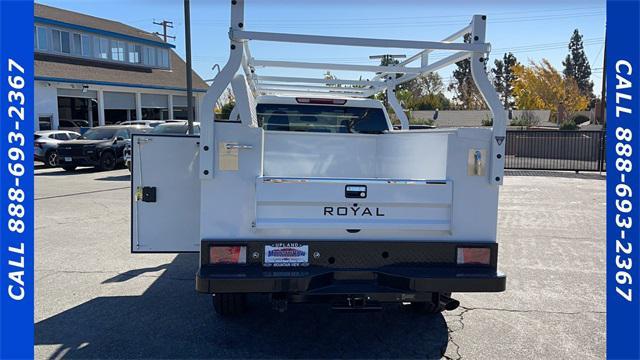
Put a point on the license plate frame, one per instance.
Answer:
(286, 255)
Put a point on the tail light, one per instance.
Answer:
(321, 101)
(474, 256)
(228, 255)
(38, 144)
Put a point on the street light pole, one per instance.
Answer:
(187, 36)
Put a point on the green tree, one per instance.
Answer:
(465, 92)
(503, 78)
(423, 85)
(576, 65)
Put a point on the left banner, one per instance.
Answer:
(16, 179)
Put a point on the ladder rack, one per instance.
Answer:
(383, 79)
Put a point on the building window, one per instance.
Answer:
(86, 47)
(77, 44)
(55, 40)
(66, 43)
(97, 47)
(135, 53)
(163, 58)
(101, 48)
(117, 50)
(42, 38)
(45, 121)
(149, 56)
(60, 41)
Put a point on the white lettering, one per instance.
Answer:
(623, 67)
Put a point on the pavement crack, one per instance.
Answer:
(465, 309)
(451, 331)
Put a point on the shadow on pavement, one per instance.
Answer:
(60, 171)
(561, 174)
(170, 320)
(134, 273)
(126, 177)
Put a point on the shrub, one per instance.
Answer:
(487, 121)
(569, 125)
(225, 110)
(527, 119)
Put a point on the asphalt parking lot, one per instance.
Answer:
(96, 300)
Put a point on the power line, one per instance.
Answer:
(571, 11)
(405, 23)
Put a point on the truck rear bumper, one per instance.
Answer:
(354, 267)
(325, 281)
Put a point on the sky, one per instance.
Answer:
(531, 29)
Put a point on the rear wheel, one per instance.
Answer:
(229, 304)
(107, 161)
(69, 168)
(51, 159)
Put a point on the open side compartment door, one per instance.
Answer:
(165, 194)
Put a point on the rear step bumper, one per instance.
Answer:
(315, 280)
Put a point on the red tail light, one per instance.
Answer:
(228, 255)
(321, 101)
(474, 256)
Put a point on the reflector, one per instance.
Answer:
(228, 255)
(474, 255)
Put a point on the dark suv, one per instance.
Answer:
(100, 147)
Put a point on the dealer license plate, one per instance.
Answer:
(286, 254)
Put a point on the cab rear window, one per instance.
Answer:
(320, 118)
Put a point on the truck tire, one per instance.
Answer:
(107, 161)
(229, 304)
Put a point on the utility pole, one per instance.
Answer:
(187, 37)
(165, 24)
(604, 82)
(387, 60)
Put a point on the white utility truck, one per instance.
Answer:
(308, 194)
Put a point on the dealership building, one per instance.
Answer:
(92, 72)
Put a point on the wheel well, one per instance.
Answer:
(108, 150)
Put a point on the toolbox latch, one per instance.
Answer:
(146, 193)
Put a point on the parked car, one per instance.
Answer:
(170, 127)
(45, 145)
(149, 123)
(72, 125)
(100, 147)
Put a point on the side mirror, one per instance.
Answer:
(119, 138)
